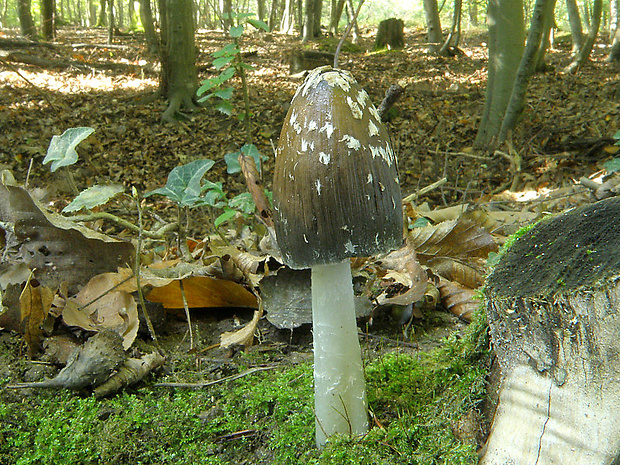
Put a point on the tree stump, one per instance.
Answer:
(553, 305)
(304, 60)
(390, 34)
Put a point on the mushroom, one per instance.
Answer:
(336, 195)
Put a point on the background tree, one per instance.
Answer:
(452, 41)
(543, 10)
(146, 17)
(506, 32)
(584, 52)
(548, 18)
(433, 23)
(179, 77)
(574, 21)
(309, 16)
(288, 17)
(26, 22)
(48, 19)
(335, 14)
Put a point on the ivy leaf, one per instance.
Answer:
(236, 31)
(232, 159)
(184, 185)
(61, 151)
(93, 197)
(258, 24)
(612, 166)
(243, 203)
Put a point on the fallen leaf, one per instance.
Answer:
(35, 302)
(243, 337)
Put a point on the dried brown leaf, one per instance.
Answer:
(457, 299)
(35, 302)
(243, 337)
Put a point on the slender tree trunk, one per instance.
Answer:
(273, 15)
(506, 32)
(103, 17)
(111, 24)
(545, 40)
(473, 13)
(574, 21)
(452, 41)
(48, 18)
(179, 79)
(614, 52)
(308, 27)
(433, 23)
(288, 17)
(355, 30)
(226, 11)
(146, 17)
(613, 19)
(318, 8)
(543, 9)
(584, 52)
(335, 14)
(260, 9)
(25, 19)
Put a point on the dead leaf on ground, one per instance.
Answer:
(203, 292)
(457, 299)
(35, 303)
(405, 279)
(98, 306)
(243, 337)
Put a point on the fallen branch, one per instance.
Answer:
(216, 381)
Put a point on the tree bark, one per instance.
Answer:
(318, 8)
(545, 40)
(103, 17)
(179, 75)
(225, 13)
(390, 34)
(584, 52)
(25, 19)
(308, 27)
(288, 17)
(542, 10)
(146, 16)
(433, 23)
(273, 15)
(355, 31)
(452, 41)
(613, 19)
(48, 16)
(614, 52)
(335, 14)
(574, 20)
(506, 32)
(473, 13)
(553, 305)
(260, 9)
(111, 24)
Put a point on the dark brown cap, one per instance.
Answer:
(336, 191)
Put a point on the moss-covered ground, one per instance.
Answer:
(425, 404)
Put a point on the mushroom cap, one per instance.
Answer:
(335, 191)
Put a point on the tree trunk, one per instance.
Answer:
(584, 52)
(260, 9)
(574, 20)
(614, 52)
(179, 79)
(288, 17)
(433, 24)
(103, 17)
(25, 19)
(225, 13)
(553, 307)
(473, 13)
(452, 41)
(48, 15)
(390, 34)
(506, 32)
(273, 15)
(355, 31)
(111, 24)
(146, 16)
(543, 9)
(308, 27)
(545, 40)
(318, 8)
(335, 14)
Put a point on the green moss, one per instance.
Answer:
(263, 418)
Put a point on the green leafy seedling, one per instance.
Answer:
(61, 151)
(250, 150)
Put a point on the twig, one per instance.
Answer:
(425, 190)
(392, 95)
(159, 234)
(346, 33)
(216, 381)
(187, 315)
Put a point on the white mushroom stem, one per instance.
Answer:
(339, 387)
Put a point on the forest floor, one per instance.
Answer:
(565, 133)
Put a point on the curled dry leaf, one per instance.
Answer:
(244, 336)
(457, 299)
(35, 302)
(405, 274)
(100, 306)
